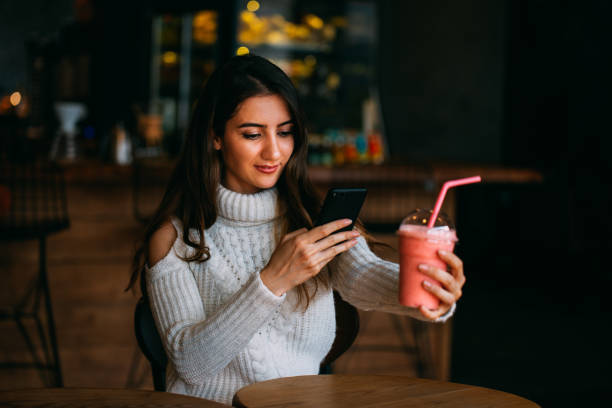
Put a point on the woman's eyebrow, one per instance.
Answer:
(249, 124)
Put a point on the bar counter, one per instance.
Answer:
(394, 190)
(433, 173)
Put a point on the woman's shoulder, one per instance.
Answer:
(161, 242)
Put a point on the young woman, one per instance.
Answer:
(239, 282)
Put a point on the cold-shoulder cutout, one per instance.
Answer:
(161, 243)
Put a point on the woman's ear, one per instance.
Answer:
(217, 143)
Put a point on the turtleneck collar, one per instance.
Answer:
(250, 209)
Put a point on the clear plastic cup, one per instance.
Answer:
(419, 244)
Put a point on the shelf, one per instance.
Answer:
(283, 50)
(435, 174)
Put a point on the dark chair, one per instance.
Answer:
(347, 328)
(33, 205)
(149, 341)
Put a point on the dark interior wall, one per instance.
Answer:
(589, 141)
(536, 84)
(534, 317)
(20, 20)
(121, 57)
(442, 77)
(520, 83)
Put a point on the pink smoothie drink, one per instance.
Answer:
(419, 244)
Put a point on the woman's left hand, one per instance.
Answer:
(452, 282)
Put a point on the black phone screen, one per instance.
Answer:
(341, 203)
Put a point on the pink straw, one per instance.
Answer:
(445, 187)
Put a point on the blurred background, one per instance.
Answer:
(400, 96)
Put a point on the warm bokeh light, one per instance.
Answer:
(333, 81)
(242, 51)
(329, 32)
(276, 37)
(310, 60)
(314, 21)
(15, 98)
(248, 17)
(276, 30)
(253, 6)
(302, 33)
(169, 57)
(205, 27)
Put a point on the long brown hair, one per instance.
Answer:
(191, 194)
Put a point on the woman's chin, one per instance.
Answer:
(266, 184)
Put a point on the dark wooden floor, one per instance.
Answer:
(88, 269)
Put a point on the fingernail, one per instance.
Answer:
(426, 284)
(442, 252)
(423, 267)
(355, 234)
(347, 221)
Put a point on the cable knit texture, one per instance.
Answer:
(223, 329)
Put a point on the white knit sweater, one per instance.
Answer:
(223, 329)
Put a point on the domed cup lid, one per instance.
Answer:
(421, 217)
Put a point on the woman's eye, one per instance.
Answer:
(286, 133)
(250, 135)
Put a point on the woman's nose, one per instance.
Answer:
(271, 149)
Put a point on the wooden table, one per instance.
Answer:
(99, 398)
(371, 391)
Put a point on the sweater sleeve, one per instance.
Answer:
(371, 283)
(200, 343)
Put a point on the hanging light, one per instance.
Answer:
(242, 50)
(253, 6)
(15, 98)
(169, 57)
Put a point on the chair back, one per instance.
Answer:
(33, 200)
(347, 328)
(149, 341)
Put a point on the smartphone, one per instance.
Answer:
(341, 203)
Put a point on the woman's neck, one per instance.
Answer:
(255, 208)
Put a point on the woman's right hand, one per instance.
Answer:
(302, 254)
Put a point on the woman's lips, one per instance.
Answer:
(267, 169)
